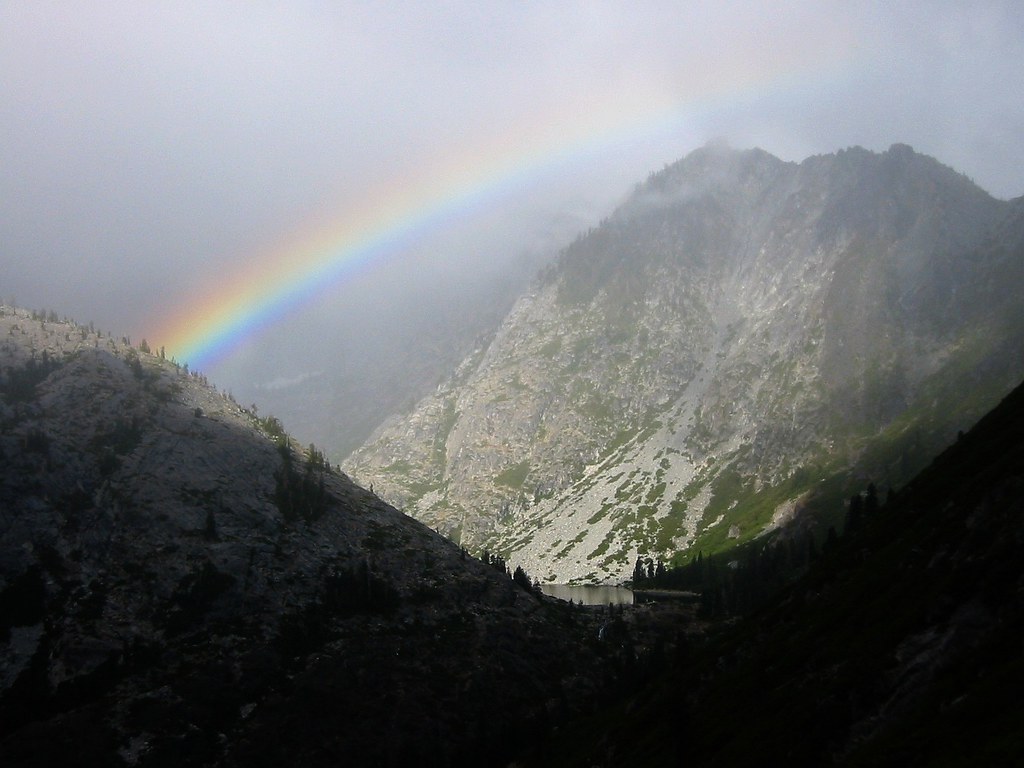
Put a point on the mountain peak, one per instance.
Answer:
(686, 375)
(901, 150)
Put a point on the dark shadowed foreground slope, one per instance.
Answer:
(903, 646)
(181, 585)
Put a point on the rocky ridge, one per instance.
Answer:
(180, 581)
(740, 335)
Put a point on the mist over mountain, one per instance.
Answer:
(390, 337)
(725, 354)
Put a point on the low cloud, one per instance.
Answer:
(151, 150)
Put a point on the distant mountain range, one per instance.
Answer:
(734, 349)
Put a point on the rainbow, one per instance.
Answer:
(207, 331)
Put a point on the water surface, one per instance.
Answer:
(590, 594)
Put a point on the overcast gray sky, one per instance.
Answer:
(149, 149)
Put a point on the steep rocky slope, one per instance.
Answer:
(177, 587)
(742, 336)
(901, 645)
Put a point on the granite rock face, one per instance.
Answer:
(739, 335)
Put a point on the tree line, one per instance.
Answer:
(519, 575)
(738, 581)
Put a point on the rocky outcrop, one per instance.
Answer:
(180, 582)
(738, 337)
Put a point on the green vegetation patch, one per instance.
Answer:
(734, 497)
(671, 526)
(400, 467)
(420, 488)
(519, 543)
(551, 348)
(598, 409)
(603, 546)
(657, 493)
(449, 418)
(597, 516)
(514, 476)
(620, 439)
(565, 550)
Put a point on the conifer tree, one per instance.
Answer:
(871, 501)
(854, 514)
(639, 573)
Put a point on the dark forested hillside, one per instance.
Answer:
(182, 584)
(901, 646)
